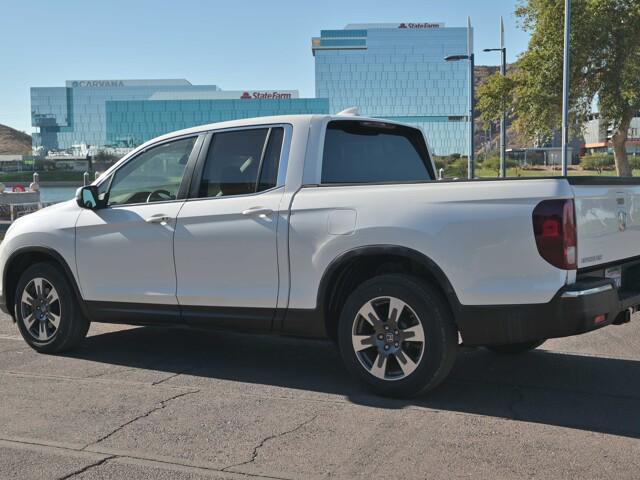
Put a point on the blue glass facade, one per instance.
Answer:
(76, 114)
(397, 71)
(134, 122)
(125, 113)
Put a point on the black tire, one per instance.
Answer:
(427, 308)
(515, 348)
(72, 325)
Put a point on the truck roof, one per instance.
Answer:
(245, 122)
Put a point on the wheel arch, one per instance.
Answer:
(354, 266)
(24, 257)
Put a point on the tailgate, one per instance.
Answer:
(608, 219)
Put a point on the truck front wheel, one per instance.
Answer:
(46, 310)
(396, 335)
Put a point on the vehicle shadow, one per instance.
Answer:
(566, 390)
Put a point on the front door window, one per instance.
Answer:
(153, 176)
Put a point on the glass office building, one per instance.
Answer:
(124, 113)
(132, 122)
(397, 71)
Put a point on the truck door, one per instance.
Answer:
(124, 252)
(226, 234)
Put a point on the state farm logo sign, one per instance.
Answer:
(419, 25)
(266, 95)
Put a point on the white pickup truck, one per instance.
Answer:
(327, 226)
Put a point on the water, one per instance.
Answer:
(57, 194)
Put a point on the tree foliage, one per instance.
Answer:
(495, 96)
(605, 65)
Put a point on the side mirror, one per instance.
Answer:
(87, 197)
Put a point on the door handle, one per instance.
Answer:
(259, 211)
(160, 218)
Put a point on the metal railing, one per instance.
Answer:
(21, 201)
(17, 210)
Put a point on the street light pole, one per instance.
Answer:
(565, 87)
(455, 58)
(471, 173)
(503, 119)
(471, 158)
(472, 110)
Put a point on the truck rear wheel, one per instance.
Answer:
(515, 348)
(46, 310)
(396, 334)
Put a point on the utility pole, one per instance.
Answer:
(565, 87)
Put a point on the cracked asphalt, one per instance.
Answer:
(145, 403)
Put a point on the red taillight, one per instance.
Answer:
(598, 319)
(554, 226)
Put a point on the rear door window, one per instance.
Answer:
(241, 162)
(374, 152)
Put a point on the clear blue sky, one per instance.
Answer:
(246, 44)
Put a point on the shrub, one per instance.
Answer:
(457, 168)
(440, 163)
(493, 164)
(634, 162)
(598, 162)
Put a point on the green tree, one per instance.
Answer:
(494, 96)
(605, 65)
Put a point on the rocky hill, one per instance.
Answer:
(484, 71)
(14, 142)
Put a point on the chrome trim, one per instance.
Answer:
(588, 291)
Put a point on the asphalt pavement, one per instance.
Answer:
(137, 403)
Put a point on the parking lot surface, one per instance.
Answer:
(178, 404)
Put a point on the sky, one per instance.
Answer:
(237, 45)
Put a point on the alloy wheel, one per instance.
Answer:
(388, 338)
(40, 309)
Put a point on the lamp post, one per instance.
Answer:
(503, 120)
(565, 86)
(456, 58)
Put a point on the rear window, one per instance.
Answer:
(374, 152)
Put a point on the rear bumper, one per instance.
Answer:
(572, 311)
